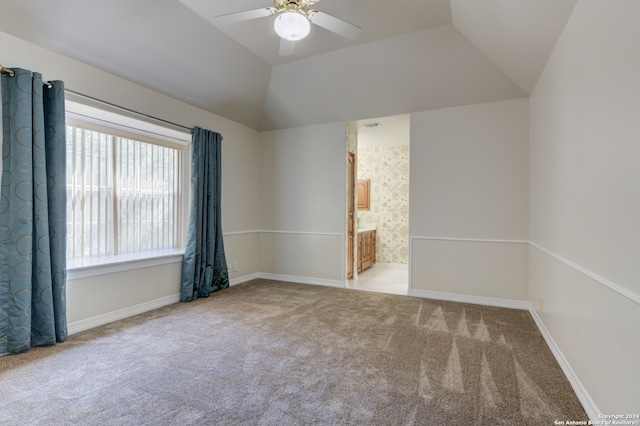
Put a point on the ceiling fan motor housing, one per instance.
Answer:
(300, 6)
(293, 21)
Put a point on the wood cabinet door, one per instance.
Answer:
(359, 254)
(364, 194)
(366, 249)
(373, 247)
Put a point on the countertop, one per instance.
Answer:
(365, 227)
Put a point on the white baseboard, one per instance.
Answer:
(303, 280)
(464, 298)
(582, 394)
(98, 320)
(243, 279)
(288, 278)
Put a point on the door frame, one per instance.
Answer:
(351, 214)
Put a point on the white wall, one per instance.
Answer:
(302, 202)
(109, 296)
(585, 200)
(469, 180)
(302, 179)
(469, 200)
(469, 171)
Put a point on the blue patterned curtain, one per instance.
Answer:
(204, 269)
(33, 208)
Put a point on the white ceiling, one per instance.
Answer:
(430, 69)
(379, 19)
(412, 55)
(517, 36)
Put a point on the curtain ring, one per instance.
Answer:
(8, 71)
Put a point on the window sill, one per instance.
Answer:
(86, 268)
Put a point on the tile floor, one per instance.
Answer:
(382, 279)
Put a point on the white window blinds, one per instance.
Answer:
(124, 194)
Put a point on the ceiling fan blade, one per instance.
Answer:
(231, 18)
(287, 47)
(333, 24)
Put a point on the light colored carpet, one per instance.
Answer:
(274, 353)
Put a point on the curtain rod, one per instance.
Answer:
(82, 95)
(13, 73)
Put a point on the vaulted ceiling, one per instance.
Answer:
(412, 55)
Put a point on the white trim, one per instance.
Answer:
(100, 113)
(464, 298)
(469, 240)
(328, 234)
(303, 280)
(410, 264)
(288, 278)
(243, 279)
(110, 265)
(266, 231)
(98, 320)
(611, 285)
(582, 394)
(224, 234)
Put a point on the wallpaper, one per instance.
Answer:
(388, 170)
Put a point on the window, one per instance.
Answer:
(124, 191)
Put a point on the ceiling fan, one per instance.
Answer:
(293, 21)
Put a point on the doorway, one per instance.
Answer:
(381, 150)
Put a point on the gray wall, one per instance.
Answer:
(585, 201)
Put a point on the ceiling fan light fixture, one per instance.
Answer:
(292, 26)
